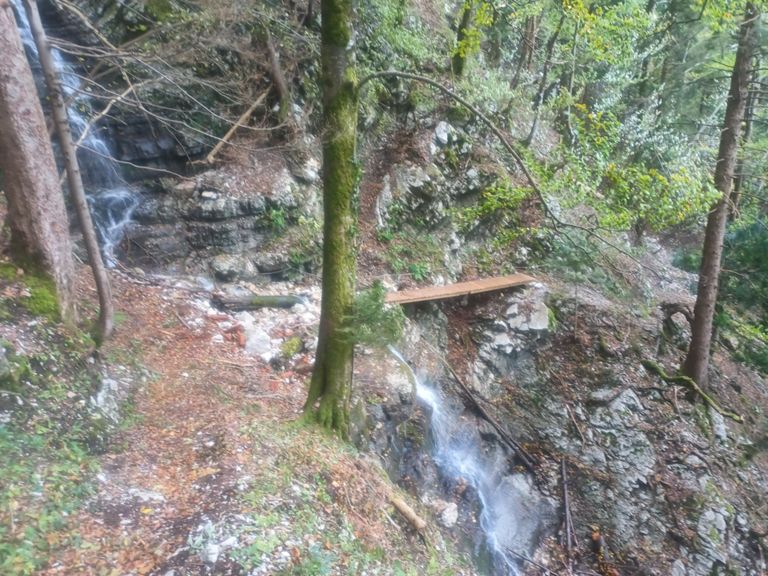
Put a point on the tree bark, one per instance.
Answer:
(527, 49)
(37, 216)
(278, 78)
(749, 116)
(696, 364)
(459, 59)
(329, 391)
(74, 178)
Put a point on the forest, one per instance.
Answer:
(320, 287)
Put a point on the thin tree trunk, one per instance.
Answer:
(696, 364)
(330, 388)
(459, 60)
(543, 82)
(74, 178)
(527, 49)
(749, 116)
(37, 216)
(278, 78)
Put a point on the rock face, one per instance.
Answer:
(652, 479)
(233, 225)
(663, 479)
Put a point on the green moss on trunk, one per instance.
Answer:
(328, 399)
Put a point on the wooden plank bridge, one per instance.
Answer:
(459, 289)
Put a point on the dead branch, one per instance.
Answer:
(408, 513)
(570, 533)
(278, 78)
(240, 121)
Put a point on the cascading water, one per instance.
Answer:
(513, 516)
(111, 200)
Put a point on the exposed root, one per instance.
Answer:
(654, 367)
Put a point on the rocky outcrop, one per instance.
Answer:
(233, 224)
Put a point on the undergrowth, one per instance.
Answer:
(49, 432)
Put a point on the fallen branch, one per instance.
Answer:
(690, 383)
(570, 533)
(255, 301)
(408, 513)
(240, 121)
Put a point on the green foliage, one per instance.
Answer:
(391, 38)
(376, 323)
(472, 34)
(745, 277)
(498, 205)
(276, 219)
(638, 196)
(419, 271)
(625, 192)
(411, 252)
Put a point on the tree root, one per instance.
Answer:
(656, 368)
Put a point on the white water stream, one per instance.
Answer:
(512, 510)
(111, 200)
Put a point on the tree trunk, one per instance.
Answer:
(543, 82)
(36, 214)
(527, 49)
(749, 116)
(74, 179)
(696, 364)
(328, 399)
(459, 60)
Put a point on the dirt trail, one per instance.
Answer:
(186, 451)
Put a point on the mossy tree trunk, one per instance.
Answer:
(36, 214)
(329, 392)
(459, 59)
(696, 364)
(74, 178)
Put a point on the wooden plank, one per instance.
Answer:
(458, 289)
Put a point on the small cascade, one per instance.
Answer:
(513, 515)
(112, 201)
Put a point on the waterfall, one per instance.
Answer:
(111, 200)
(512, 511)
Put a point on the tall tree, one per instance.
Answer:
(37, 217)
(697, 362)
(329, 391)
(74, 178)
